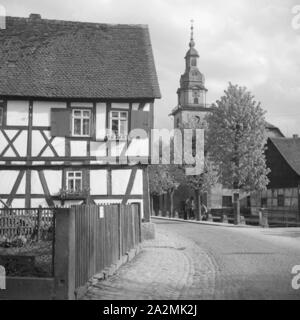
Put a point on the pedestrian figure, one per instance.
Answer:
(204, 211)
(188, 208)
(192, 211)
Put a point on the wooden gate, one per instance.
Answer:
(103, 234)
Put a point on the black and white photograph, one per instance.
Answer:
(149, 153)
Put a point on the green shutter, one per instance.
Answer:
(61, 123)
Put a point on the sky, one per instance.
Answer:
(251, 43)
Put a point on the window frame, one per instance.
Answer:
(82, 118)
(263, 202)
(3, 106)
(1, 116)
(279, 203)
(74, 178)
(119, 118)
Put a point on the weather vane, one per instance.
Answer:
(192, 29)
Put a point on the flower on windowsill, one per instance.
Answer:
(65, 193)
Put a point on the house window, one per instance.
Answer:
(74, 181)
(280, 200)
(196, 101)
(119, 124)
(81, 120)
(194, 63)
(1, 116)
(263, 202)
(227, 201)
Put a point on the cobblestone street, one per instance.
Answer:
(169, 267)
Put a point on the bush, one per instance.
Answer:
(13, 242)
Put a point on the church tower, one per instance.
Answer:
(192, 91)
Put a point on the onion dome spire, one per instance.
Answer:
(192, 42)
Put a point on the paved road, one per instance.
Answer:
(194, 261)
(249, 263)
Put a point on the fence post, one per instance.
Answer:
(120, 231)
(64, 259)
(39, 216)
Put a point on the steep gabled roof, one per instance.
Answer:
(50, 58)
(289, 148)
(271, 128)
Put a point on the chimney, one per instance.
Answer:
(295, 136)
(35, 17)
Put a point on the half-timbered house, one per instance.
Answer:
(70, 93)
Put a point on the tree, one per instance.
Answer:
(236, 140)
(202, 183)
(165, 179)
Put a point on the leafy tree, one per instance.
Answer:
(236, 140)
(165, 179)
(202, 183)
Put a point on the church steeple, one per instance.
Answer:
(192, 91)
(192, 83)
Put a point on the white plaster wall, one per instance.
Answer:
(54, 180)
(36, 186)
(42, 112)
(146, 107)
(138, 183)
(82, 105)
(98, 149)
(7, 180)
(21, 144)
(17, 113)
(21, 189)
(138, 147)
(3, 142)
(116, 148)
(18, 203)
(38, 143)
(120, 105)
(135, 106)
(59, 145)
(98, 182)
(100, 121)
(120, 179)
(35, 203)
(78, 148)
(1, 204)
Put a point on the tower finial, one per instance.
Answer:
(192, 42)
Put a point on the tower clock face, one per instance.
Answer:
(196, 93)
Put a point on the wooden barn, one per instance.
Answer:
(70, 93)
(283, 159)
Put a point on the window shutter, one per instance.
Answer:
(93, 126)
(61, 123)
(140, 120)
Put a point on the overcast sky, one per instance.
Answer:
(248, 42)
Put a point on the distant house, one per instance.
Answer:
(272, 131)
(70, 93)
(283, 191)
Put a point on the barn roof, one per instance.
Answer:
(51, 58)
(289, 148)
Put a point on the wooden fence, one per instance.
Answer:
(27, 222)
(271, 217)
(103, 234)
